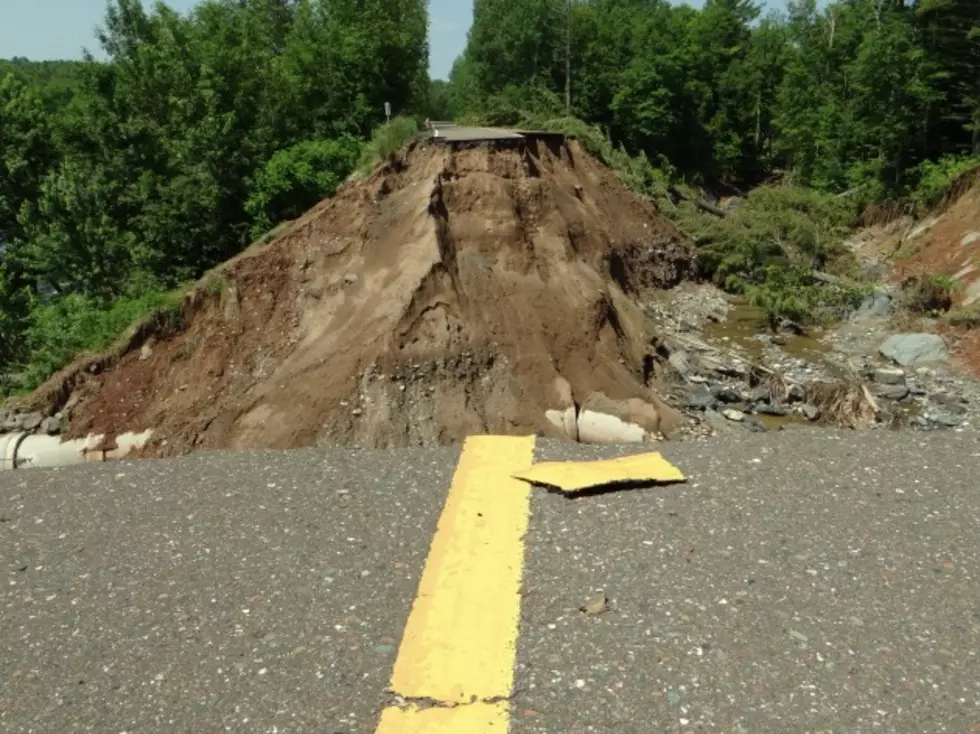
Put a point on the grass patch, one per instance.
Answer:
(967, 317)
(935, 179)
(929, 293)
(387, 139)
(66, 327)
(215, 284)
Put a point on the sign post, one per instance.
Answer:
(388, 111)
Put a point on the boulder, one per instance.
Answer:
(726, 394)
(810, 412)
(875, 305)
(914, 349)
(679, 361)
(31, 421)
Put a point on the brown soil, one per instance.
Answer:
(443, 295)
(938, 251)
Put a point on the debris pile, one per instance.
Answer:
(459, 289)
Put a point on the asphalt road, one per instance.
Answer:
(465, 134)
(799, 582)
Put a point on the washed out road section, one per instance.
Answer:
(801, 581)
(248, 592)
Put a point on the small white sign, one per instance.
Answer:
(388, 110)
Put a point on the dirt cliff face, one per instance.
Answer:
(456, 290)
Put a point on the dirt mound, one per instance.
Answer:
(457, 290)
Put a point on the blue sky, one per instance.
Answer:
(60, 29)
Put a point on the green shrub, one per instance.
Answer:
(929, 293)
(62, 329)
(296, 179)
(637, 172)
(386, 140)
(784, 226)
(935, 178)
(792, 293)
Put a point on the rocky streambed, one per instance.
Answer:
(730, 372)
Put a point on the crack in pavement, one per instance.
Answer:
(422, 703)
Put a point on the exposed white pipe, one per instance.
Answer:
(27, 450)
(601, 428)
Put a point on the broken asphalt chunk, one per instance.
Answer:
(577, 477)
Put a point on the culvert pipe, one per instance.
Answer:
(29, 450)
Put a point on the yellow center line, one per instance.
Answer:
(455, 665)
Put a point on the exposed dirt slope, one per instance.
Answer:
(454, 291)
(945, 243)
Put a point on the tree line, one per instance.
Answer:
(122, 179)
(197, 132)
(859, 93)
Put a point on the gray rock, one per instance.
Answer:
(729, 369)
(875, 305)
(736, 416)
(755, 425)
(757, 395)
(916, 389)
(700, 399)
(11, 424)
(890, 376)
(679, 361)
(768, 409)
(913, 349)
(726, 394)
(950, 403)
(810, 412)
(892, 392)
(944, 418)
(51, 426)
(718, 422)
(31, 421)
(796, 393)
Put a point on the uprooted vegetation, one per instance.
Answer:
(777, 247)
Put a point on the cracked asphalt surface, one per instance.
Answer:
(799, 582)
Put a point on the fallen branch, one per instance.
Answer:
(699, 203)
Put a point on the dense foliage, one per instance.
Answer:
(858, 93)
(122, 179)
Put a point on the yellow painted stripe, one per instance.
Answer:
(460, 641)
(477, 718)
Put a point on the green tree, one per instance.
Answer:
(295, 179)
